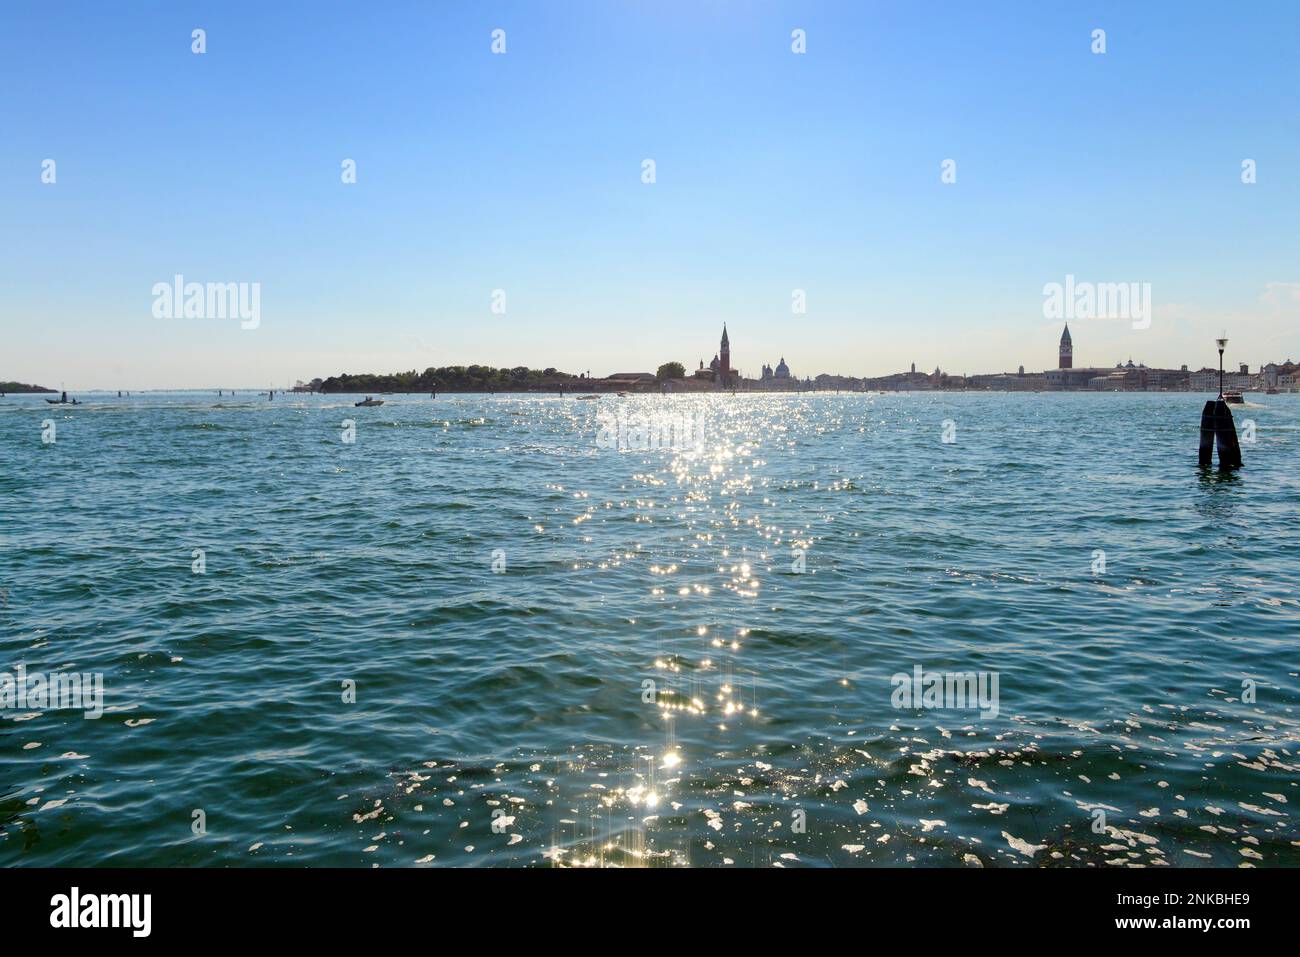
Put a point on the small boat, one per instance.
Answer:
(1270, 391)
(63, 400)
(588, 397)
(368, 403)
(1235, 398)
(622, 395)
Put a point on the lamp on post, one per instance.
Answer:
(1222, 343)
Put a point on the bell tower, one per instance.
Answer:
(1067, 350)
(724, 355)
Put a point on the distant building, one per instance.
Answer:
(1207, 380)
(1121, 380)
(782, 372)
(1166, 380)
(1065, 376)
(1008, 382)
(1071, 378)
(839, 383)
(624, 381)
(902, 382)
(720, 371)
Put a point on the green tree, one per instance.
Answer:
(671, 370)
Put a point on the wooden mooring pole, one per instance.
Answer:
(1217, 428)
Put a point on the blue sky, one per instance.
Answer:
(522, 172)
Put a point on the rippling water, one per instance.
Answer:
(570, 654)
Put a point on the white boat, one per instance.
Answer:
(368, 402)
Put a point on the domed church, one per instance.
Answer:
(782, 371)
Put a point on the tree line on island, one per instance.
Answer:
(475, 378)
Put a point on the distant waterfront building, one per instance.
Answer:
(838, 383)
(1206, 379)
(1166, 380)
(905, 381)
(782, 372)
(1066, 376)
(720, 371)
(629, 382)
(1121, 380)
(1008, 381)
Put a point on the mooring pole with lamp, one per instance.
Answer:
(1217, 427)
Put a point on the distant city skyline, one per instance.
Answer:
(500, 213)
